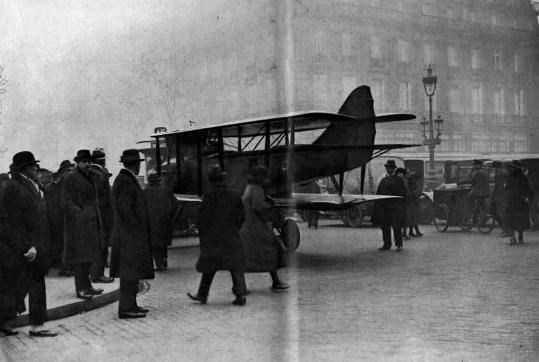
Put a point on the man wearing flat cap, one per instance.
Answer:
(131, 258)
(23, 247)
(83, 229)
(102, 175)
(390, 213)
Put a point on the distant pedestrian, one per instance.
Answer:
(25, 245)
(56, 216)
(534, 199)
(498, 199)
(83, 232)
(401, 173)
(102, 175)
(262, 248)
(478, 195)
(162, 206)
(518, 192)
(131, 258)
(413, 197)
(221, 217)
(389, 213)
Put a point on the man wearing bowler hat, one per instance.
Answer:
(24, 246)
(83, 229)
(102, 175)
(390, 213)
(131, 258)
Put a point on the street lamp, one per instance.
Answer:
(429, 82)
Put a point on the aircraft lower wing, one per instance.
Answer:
(325, 202)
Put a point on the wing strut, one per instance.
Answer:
(363, 179)
(341, 183)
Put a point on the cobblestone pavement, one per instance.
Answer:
(458, 296)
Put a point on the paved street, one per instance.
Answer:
(453, 297)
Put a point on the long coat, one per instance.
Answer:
(413, 194)
(390, 211)
(262, 249)
(479, 182)
(221, 217)
(517, 189)
(105, 201)
(131, 257)
(162, 206)
(497, 203)
(24, 224)
(84, 236)
(55, 215)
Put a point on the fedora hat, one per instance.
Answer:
(130, 155)
(65, 164)
(98, 154)
(215, 173)
(83, 155)
(22, 159)
(391, 164)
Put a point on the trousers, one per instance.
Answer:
(386, 234)
(98, 265)
(239, 287)
(82, 276)
(128, 295)
(37, 300)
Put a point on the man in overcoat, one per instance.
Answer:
(102, 176)
(480, 191)
(83, 233)
(221, 216)
(131, 258)
(162, 206)
(390, 213)
(25, 242)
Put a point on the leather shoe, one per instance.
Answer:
(84, 294)
(399, 249)
(241, 301)
(132, 314)
(102, 279)
(383, 248)
(142, 310)
(8, 331)
(95, 291)
(198, 298)
(279, 286)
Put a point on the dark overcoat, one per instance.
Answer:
(480, 184)
(105, 201)
(390, 211)
(497, 203)
(162, 206)
(131, 257)
(413, 195)
(517, 188)
(221, 217)
(84, 237)
(55, 216)
(262, 249)
(24, 224)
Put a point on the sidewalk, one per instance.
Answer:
(62, 301)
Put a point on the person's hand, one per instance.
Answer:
(31, 254)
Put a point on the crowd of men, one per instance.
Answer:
(76, 221)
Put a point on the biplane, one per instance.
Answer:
(297, 148)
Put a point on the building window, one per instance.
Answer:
(374, 3)
(452, 56)
(477, 100)
(451, 13)
(494, 20)
(518, 97)
(517, 63)
(405, 96)
(514, 23)
(503, 144)
(454, 104)
(499, 106)
(376, 46)
(346, 44)
(459, 143)
(428, 54)
(377, 90)
(319, 43)
(402, 50)
(498, 61)
(476, 60)
(427, 8)
(445, 143)
(520, 143)
(473, 17)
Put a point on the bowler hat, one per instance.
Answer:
(83, 155)
(130, 155)
(215, 173)
(22, 159)
(391, 164)
(154, 178)
(98, 154)
(65, 164)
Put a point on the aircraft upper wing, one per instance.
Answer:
(325, 202)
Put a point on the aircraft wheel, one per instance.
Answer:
(289, 233)
(353, 217)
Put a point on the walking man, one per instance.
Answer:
(390, 213)
(84, 235)
(102, 175)
(131, 258)
(26, 232)
(221, 217)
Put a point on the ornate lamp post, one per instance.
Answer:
(429, 82)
